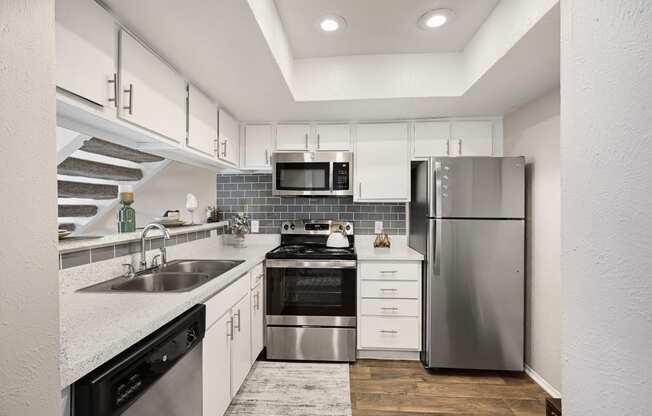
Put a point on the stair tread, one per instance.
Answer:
(71, 189)
(77, 210)
(90, 169)
(104, 148)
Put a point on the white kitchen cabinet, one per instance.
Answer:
(86, 45)
(431, 138)
(382, 165)
(202, 122)
(389, 299)
(472, 137)
(258, 146)
(241, 343)
(333, 137)
(229, 142)
(292, 137)
(153, 95)
(257, 324)
(216, 367)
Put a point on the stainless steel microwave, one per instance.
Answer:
(312, 173)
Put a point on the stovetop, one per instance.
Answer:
(311, 251)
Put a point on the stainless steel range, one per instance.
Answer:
(311, 294)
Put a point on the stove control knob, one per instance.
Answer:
(285, 227)
(292, 226)
(348, 227)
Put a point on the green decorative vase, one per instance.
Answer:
(126, 219)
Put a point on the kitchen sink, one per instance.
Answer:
(175, 276)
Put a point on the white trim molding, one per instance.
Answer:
(542, 382)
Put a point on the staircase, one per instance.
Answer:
(90, 171)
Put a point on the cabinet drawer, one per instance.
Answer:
(391, 307)
(374, 270)
(389, 333)
(219, 304)
(390, 289)
(257, 274)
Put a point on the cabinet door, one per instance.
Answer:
(382, 163)
(153, 94)
(292, 136)
(432, 138)
(86, 40)
(216, 366)
(229, 138)
(202, 122)
(257, 329)
(472, 138)
(334, 137)
(258, 141)
(241, 345)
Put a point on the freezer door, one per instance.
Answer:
(479, 187)
(475, 295)
(418, 206)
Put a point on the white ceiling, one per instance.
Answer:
(378, 26)
(219, 46)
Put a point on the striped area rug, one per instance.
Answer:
(294, 389)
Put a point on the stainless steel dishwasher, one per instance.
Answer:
(161, 375)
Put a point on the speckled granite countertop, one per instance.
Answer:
(97, 326)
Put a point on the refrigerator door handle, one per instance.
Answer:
(435, 200)
(434, 235)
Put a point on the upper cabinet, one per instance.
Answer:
(229, 138)
(292, 137)
(202, 122)
(472, 138)
(333, 137)
(382, 163)
(431, 138)
(258, 146)
(153, 95)
(86, 49)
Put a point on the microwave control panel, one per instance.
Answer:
(341, 176)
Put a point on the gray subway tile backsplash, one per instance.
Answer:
(252, 194)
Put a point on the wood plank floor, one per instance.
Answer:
(405, 388)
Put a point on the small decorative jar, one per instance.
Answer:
(126, 214)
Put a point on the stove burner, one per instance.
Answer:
(310, 250)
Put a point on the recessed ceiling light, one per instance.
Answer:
(332, 23)
(435, 18)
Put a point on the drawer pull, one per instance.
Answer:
(389, 271)
(389, 309)
(387, 331)
(388, 290)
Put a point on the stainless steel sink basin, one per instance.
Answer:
(176, 276)
(209, 267)
(162, 282)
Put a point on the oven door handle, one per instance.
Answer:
(310, 264)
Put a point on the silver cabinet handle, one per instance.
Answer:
(448, 148)
(389, 309)
(387, 331)
(238, 315)
(229, 325)
(318, 140)
(257, 300)
(459, 146)
(389, 271)
(224, 148)
(216, 147)
(267, 157)
(388, 290)
(306, 141)
(114, 81)
(360, 189)
(130, 107)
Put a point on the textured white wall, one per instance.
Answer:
(168, 190)
(606, 176)
(533, 131)
(29, 301)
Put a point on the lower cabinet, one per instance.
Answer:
(257, 324)
(389, 305)
(233, 333)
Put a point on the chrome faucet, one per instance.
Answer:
(146, 230)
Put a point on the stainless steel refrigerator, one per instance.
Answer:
(467, 216)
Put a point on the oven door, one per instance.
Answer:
(313, 292)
